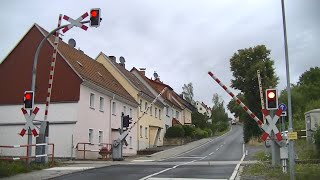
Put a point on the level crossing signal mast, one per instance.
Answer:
(95, 17)
(271, 99)
(28, 100)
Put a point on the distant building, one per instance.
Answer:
(203, 109)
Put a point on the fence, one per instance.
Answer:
(27, 157)
(105, 150)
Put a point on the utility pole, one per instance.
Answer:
(291, 148)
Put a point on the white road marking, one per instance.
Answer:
(211, 153)
(234, 174)
(194, 157)
(221, 145)
(142, 160)
(199, 146)
(67, 168)
(182, 179)
(217, 149)
(154, 174)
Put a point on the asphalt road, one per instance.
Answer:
(216, 159)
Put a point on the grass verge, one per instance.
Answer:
(266, 171)
(10, 168)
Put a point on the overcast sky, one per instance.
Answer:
(181, 40)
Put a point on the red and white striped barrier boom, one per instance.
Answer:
(244, 107)
(53, 65)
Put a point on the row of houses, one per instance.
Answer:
(88, 98)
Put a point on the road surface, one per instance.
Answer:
(216, 159)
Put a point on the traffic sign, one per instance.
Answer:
(29, 120)
(283, 107)
(75, 22)
(272, 125)
(292, 135)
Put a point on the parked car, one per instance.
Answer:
(233, 122)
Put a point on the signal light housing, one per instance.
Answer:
(28, 100)
(95, 15)
(126, 121)
(271, 99)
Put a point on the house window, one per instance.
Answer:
(140, 131)
(100, 137)
(91, 100)
(114, 108)
(159, 113)
(146, 132)
(200, 109)
(140, 105)
(150, 110)
(167, 111)
(90, 136)
(155, 112)
(172, 112)
(130, 112)
(130, 142)
(177, 114)
(124, 110)
(145, 105)
(101, 104)
(167, 127)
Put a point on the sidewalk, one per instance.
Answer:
(75, 166)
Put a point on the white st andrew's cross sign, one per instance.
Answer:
(29, 120)
(272, 125)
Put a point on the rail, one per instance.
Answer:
(105, 150)
(28, 157)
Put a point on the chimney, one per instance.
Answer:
(143, 71)
(113, 59)
(156, 76)
(122, 61)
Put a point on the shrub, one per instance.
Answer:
(199, 133)
(175, 131)
(222, 126)
(209, 131)
(188, 130)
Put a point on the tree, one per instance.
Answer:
(218, 114)
(244, 66)
(305, 96)
(199, 120)
(187, 91)
(236, 109)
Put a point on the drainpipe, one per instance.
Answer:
(110, 128)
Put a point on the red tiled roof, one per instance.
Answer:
(89, 69)
(134, 80)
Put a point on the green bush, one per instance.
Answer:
(209, 131)
(199, 133)
(175, 131)
(189, 131)
(222, 126)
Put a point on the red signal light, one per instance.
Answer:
(27, 96)
(94, 13)
(271, 94)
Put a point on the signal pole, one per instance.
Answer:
(290, 129)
